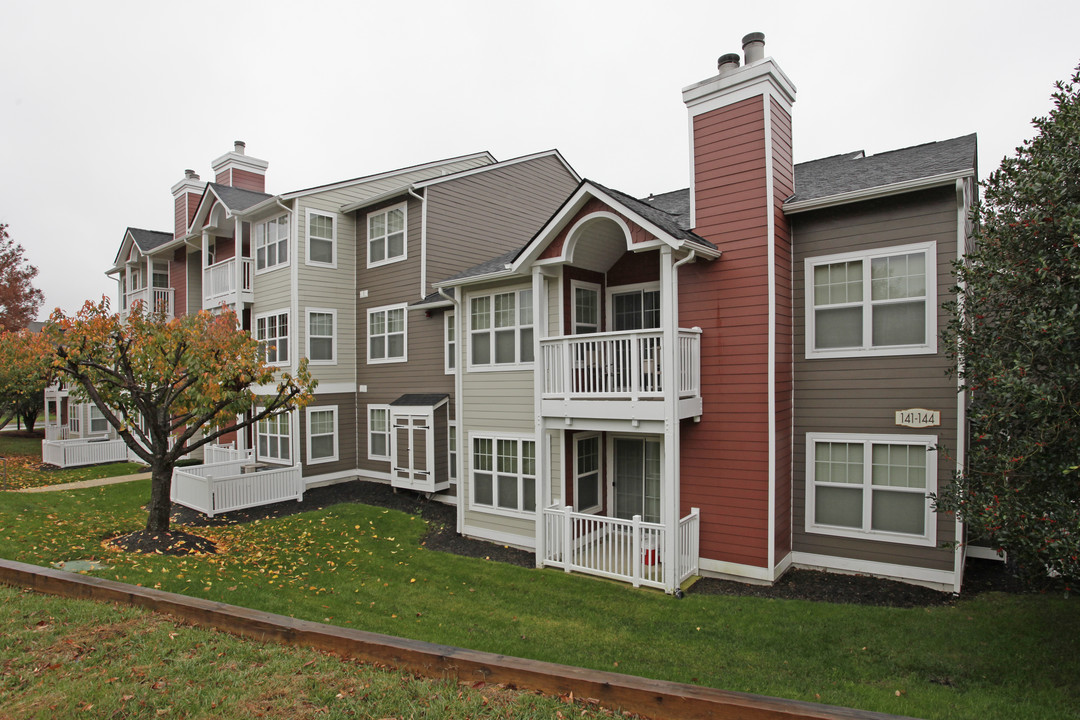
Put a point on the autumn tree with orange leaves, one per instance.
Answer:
(170, 387)
(19, 299)
(25, 372)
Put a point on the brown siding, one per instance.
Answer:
(478, 217)
(224, 248)
(346, 429)
(860, 395)
(634, 268)
(783, 188)
(725, 456)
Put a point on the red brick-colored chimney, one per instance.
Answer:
(186, 195)
(240, 171)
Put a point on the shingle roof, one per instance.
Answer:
(487, 267)
(420, 400)
(855, 171)
(236, 199)
(147, 240)
(661, 215)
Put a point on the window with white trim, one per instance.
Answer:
(387, 328)
(871, 486)
(321, 238)
(274, 438)
(586, 307)
(321, 340)
(451, 438)
(636, 309)
(386, 236)
(322, 436)
(272, 332)
(272, 243)
(588, 492)
(450, 336)
(98, 423)
(379, 432)
(503, 474)
(879, 302)
(501, 329)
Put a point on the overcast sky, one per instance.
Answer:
(104, 104)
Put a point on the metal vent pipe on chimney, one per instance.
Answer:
(753, 46)
(238, 147)
(727, 63)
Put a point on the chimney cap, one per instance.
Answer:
(191, 174)
(727, 63)
(238, 146)
(753, 37)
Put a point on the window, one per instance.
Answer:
(871, 486)
(322, 443)
(637, 309)
(879, 303)
(273, 438)
(451, 436)
(504, 473)
(272, 243)
(322, 348)
(451, 341)
(386, 335)
(501, 330)
(386, 236)
(379, 432)
(321, 238)
(98, 423)
(588, 494)
(272, 332)
(586, 307)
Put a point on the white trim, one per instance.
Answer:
(333, 360)
(387, 358)
(333, 238)
(322, 408)
(293, 458)
(332, 388)
(493, 366)
(770, 390)
(495, 437)
(374, 475)
(880, 191)
(709, 568)
(386, 433)
(294, 289)
(980, 552)
(523, 542)
(936, 579)
(387, 258)
(255, 245)
(612, 290)
(928, 347)
(288, 334)
(929, 536)
(450, 354)
(423, 242)
(602, 484)
(573, 234)
(962, 549)
(595, 287)
(332, 478)
(498, 165)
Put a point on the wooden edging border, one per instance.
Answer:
(653, 698)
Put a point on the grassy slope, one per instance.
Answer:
(991, 657)
(22, 458)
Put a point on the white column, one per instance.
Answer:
(205, 264)
(543, 479)
(669, 484)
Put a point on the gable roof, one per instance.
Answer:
(856, 176)
(667, 214)
(235, 199)
(145, 240)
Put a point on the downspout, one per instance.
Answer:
(459, 412)
(423, 242)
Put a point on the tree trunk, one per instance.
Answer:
(160, 500)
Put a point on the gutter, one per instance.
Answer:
(880, 191)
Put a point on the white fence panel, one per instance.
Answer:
(222, 487)
(75, 453)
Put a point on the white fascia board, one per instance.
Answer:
(375, 199)
(473, 279)
(435, 305)
(494, 166)
(731, 84)
(381, 176)
(876, 192)
(243, 162)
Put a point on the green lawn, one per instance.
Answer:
(996, 656)
(74, 658)
(21, 466)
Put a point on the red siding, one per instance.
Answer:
(184, 212)
(224, 248)
(570, 274)
(224, 177)
(633, 268)
(725, 456)
(554, 249)
(178, 281)
(246, 180)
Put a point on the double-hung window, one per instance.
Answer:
(98, 423)
(501, 329)
(450, 320)
(386, 236)
(871, 486)
(387, 328)
(379, 432)
(322, 347)
(272, 332)
(273, 438)
(588, 492)
(504, 473)
(586, 307)
(321, 238)
(879, 302)
(272, 243)
(322, 442)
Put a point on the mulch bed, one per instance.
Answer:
(175, 542)
(980, 575)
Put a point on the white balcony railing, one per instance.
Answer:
(157, 300)
(626, 550)
(618, 365)
(219, 280)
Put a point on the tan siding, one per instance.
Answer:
(860, 395)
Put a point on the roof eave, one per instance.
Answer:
(368, 202)
(880, 191)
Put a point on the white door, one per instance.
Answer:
(411, 449)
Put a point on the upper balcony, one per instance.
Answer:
(619, 375)
(222, 280)
(156, 299)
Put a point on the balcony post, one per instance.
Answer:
(568, 538)
(670, 448)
